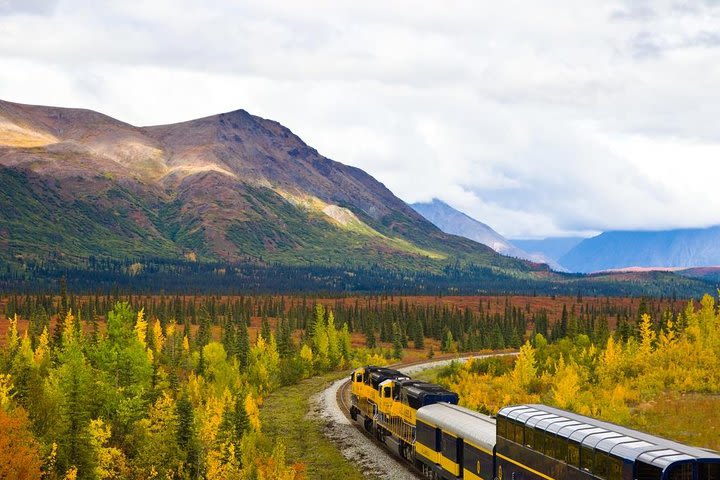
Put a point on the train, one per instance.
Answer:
(423, 424)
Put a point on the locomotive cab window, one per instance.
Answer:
(386, 392)
(359, 377)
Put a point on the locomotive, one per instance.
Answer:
(423, 424)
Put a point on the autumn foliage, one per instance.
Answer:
(19, 452)
(673, 355)
(145, 399)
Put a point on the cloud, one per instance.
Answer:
(35, 7)
(539, 120)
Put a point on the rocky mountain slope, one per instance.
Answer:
(452, 221)
(77, 185)
(659, 249)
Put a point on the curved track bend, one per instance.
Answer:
(358, 445)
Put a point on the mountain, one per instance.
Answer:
(684, 248)
(551, 247)
(452, 221)
(77, 186)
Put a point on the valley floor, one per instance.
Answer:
(284, 416)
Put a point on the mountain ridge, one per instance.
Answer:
(660, 249)
(231, 187)
(455, 222)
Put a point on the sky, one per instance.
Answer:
(566, 117)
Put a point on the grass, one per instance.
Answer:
(691, 419)
(284, 417)
(429, 375)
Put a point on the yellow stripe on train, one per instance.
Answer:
(468, 475)
(426, 452)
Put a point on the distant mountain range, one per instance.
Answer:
(679, 249)
(551, 247)
(453, 221)
(628, 251)
(76, 184)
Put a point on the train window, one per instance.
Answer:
(573, 454)
(709, 471)
(546, 443)
(586, 458)
(510, 433)
(683, 471)
(647, 472)
(359, 377)
(558, 448)
(538, 440)
(510, 430)
(386, 392)
(500, 425)
(550, 445)
(600, 465)
(519, 433)
(615, 468)
(529, 437)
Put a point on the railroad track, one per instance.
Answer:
(344, 402)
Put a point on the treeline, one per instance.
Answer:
(494, 323)
(151, 275)
(141, 398)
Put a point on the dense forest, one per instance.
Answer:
(143, 398)
(169, 386)
(151, 275)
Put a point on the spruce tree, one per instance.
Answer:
(204, 334)
(397, 341)
(419, 337)
(265, 328)
(243, 345)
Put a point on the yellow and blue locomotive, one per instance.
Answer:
(387, 401)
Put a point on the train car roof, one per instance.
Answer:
(471, 426)
(620, 441)
(418, 386)
(383, 370)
